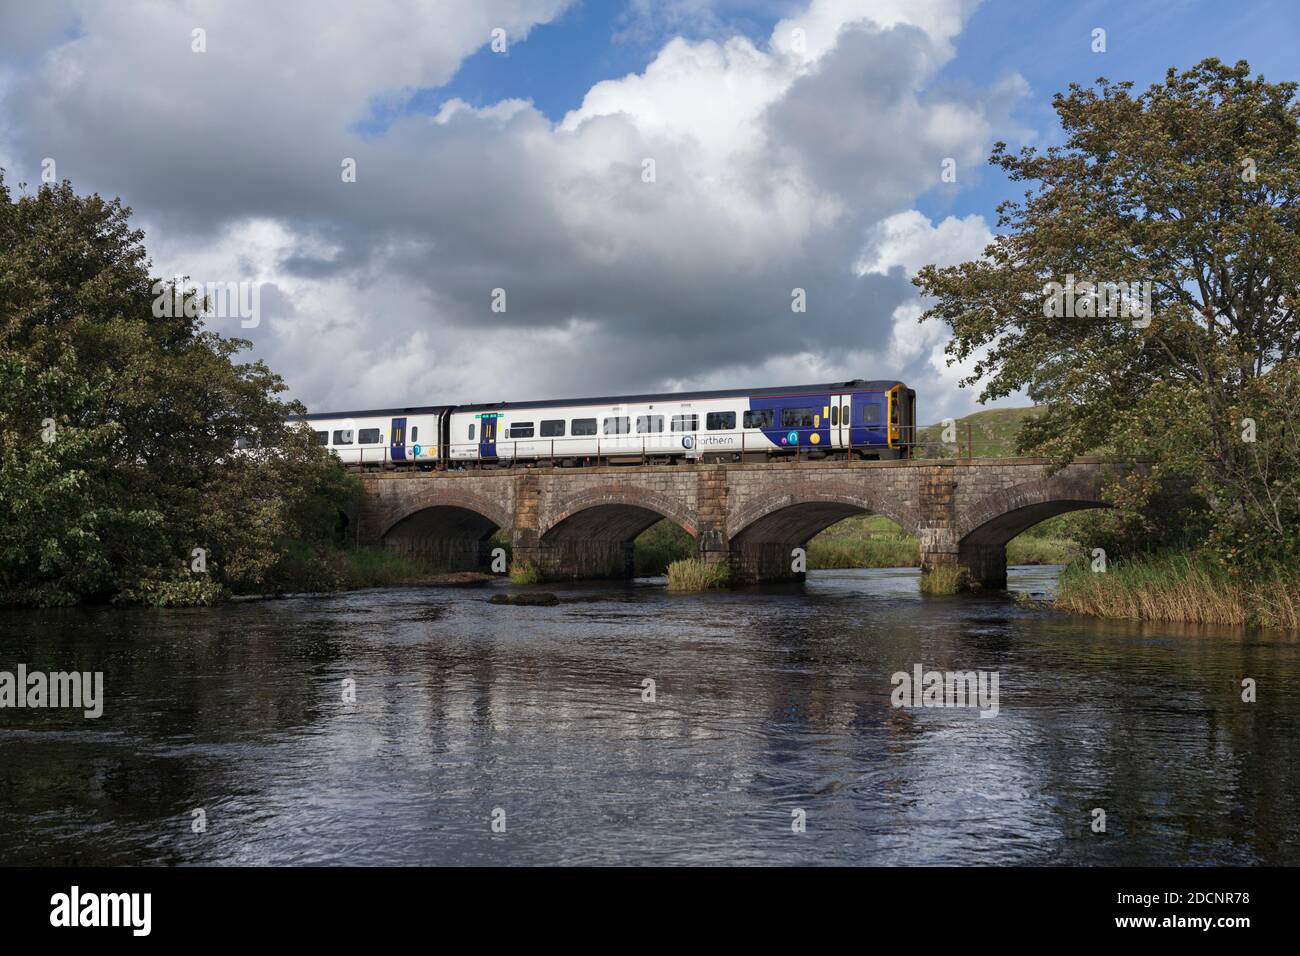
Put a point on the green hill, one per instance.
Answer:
(992, 434)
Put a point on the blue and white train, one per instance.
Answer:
(857, 419)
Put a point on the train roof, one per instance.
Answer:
(372, 413)
(857, 385)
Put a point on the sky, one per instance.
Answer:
(503, 237)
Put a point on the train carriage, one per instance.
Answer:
(379, 437)
(860, 419)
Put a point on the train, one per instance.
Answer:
(870, 420)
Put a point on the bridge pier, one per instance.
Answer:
(985, 564)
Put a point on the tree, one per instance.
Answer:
(1144, 290)
(117, 428)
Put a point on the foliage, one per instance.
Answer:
(525, 572)
(660, 545)
(117, 429)
(1194, 187)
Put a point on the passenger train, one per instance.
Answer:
(858, 419)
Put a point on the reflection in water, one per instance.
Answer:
(767, 701)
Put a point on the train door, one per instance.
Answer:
(397, 440)
(837, 418)
(487, 440)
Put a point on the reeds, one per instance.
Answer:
(1181, 588)
(692, 574)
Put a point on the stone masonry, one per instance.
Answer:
(581, 523)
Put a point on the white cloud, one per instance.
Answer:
(772, 165)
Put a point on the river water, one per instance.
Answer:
(771, 708)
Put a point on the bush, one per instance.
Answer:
(525, 572)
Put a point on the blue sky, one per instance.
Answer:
(779, 165)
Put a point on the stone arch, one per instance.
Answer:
(452, 528)
(763, 533)
(591, 533)
(984, 529)
(1000, 516)
(621, 498)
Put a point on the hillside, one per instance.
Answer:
(992, 434)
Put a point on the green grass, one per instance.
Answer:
(993, 434)
(660, 545)
(384, 567)
(870, 541)
(1180, 587)
(863, 541)
(692, 574)
(524, 572)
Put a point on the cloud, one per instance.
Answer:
(788, 164)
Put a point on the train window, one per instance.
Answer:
(720, 421)
(619, 425)
(835, 414)
(369, 436)
(322, 438)
(871, 414)
(844, 416)
(553, 428)
(649, 424)
(686, 423)
(415, 434)
(797, 417)
(584, 426)
(521, 430)
(759, 417)
(471, 431)
(343, 436)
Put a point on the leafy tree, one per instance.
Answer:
(117, 429)
(1192, 186)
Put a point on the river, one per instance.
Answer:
(771, 714)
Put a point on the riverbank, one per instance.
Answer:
(1180, 587)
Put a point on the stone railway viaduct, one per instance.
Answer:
(580, 523)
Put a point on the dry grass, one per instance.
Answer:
(692, 574)
(945, 579)
(1180, 588)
